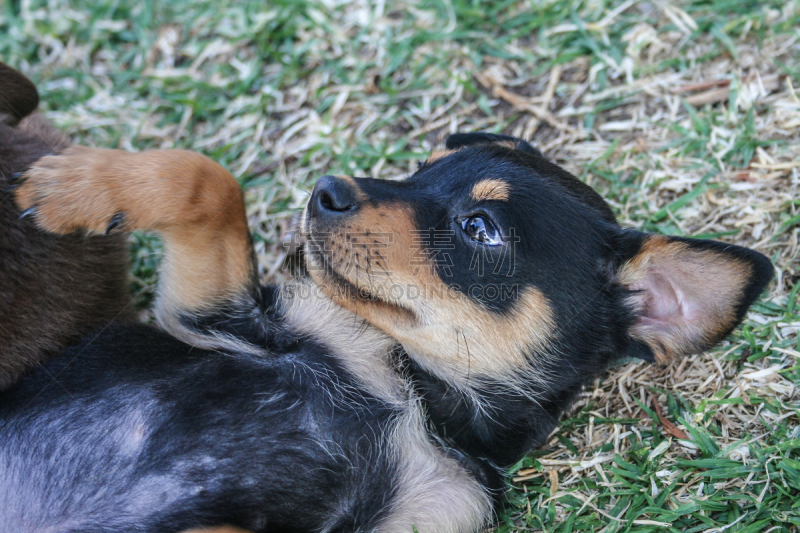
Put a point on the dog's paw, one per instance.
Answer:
(68, 192)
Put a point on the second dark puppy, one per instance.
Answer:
(53, 288)
(452, 317)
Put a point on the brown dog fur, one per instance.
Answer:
(194, 203)
(53, 288)
(18, 96)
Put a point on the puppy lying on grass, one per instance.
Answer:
(446, 322)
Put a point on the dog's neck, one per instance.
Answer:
(364, 350)
(490, 421)
(486, 426)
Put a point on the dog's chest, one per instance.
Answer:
(434, 492)
(431, 491)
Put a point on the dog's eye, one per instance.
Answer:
(480, 229)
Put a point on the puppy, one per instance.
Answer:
(53, 288)
(447, 321)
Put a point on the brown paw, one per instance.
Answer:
(64, 193)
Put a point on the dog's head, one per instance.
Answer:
(492, 263)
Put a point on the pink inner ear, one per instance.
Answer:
(664, 300)
(686, 298)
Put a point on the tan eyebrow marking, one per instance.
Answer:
(491, 189)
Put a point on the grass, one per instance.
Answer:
(684, 115)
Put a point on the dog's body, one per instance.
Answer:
(190, 438)
(452, 317)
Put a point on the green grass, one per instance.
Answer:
(282, 92)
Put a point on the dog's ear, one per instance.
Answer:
(18, 96)
(686, 294)
(460, 140)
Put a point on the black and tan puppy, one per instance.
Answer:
(450, 319)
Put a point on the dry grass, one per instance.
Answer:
(686, 116)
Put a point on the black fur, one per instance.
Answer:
(164, 437)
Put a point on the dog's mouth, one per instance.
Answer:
(343, 289)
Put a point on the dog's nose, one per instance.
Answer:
(332, 196)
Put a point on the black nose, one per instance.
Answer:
(332, 196)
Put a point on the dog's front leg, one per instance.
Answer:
(208, 267)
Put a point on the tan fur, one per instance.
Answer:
(363, 349)
(192, 201)
(697, 272)
(491, 189)
(459, 337)
(447, 332)
(434, 494)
